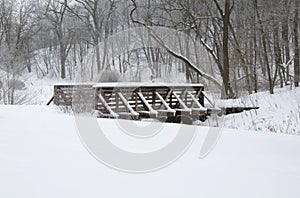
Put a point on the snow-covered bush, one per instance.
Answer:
(110, 76)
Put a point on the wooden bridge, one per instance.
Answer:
(135, 100)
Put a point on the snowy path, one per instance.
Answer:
(41, 155)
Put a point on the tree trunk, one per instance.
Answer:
(255, 52)
(278, 59)
(285, 37)
(296, 45)
(226, 80)
(62, 62)
(98, 61)
(265, 49)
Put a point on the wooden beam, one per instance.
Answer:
(198, 93)
(181, 102)
(168, 95)
(107, 107)
(146, 103)
(196, 102)
(50, 101)
(127, 105)
(164, 102)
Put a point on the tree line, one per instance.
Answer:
(252, 44)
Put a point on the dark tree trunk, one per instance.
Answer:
(296, 45)
(226, 21)
(278, 59)
(265, 49)
(255, 52)
(62, 62)
(285, 37)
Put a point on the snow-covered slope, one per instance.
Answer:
(278, 113)
(41, 155)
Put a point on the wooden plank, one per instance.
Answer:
(112, 113)
(105, 115)
(167, 96)
(167, 113)
(196, 102)
(185, 108)
(164, 103)
(145, 102)
(125, 102)
(131, 85)
(198, 93)
(148, 114)
(183, 95)
(152, 111)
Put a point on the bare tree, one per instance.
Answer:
(18, 27)
(96, 16)
(191, 21)
(56, 14)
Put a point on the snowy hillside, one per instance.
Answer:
(278, 113)
(42, 156)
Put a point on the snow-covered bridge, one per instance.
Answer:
(135, 100)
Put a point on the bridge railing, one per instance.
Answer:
(134, 100)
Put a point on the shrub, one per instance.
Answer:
(109, 76)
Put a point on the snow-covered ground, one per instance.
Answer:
(41, 155)
(278, 113)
